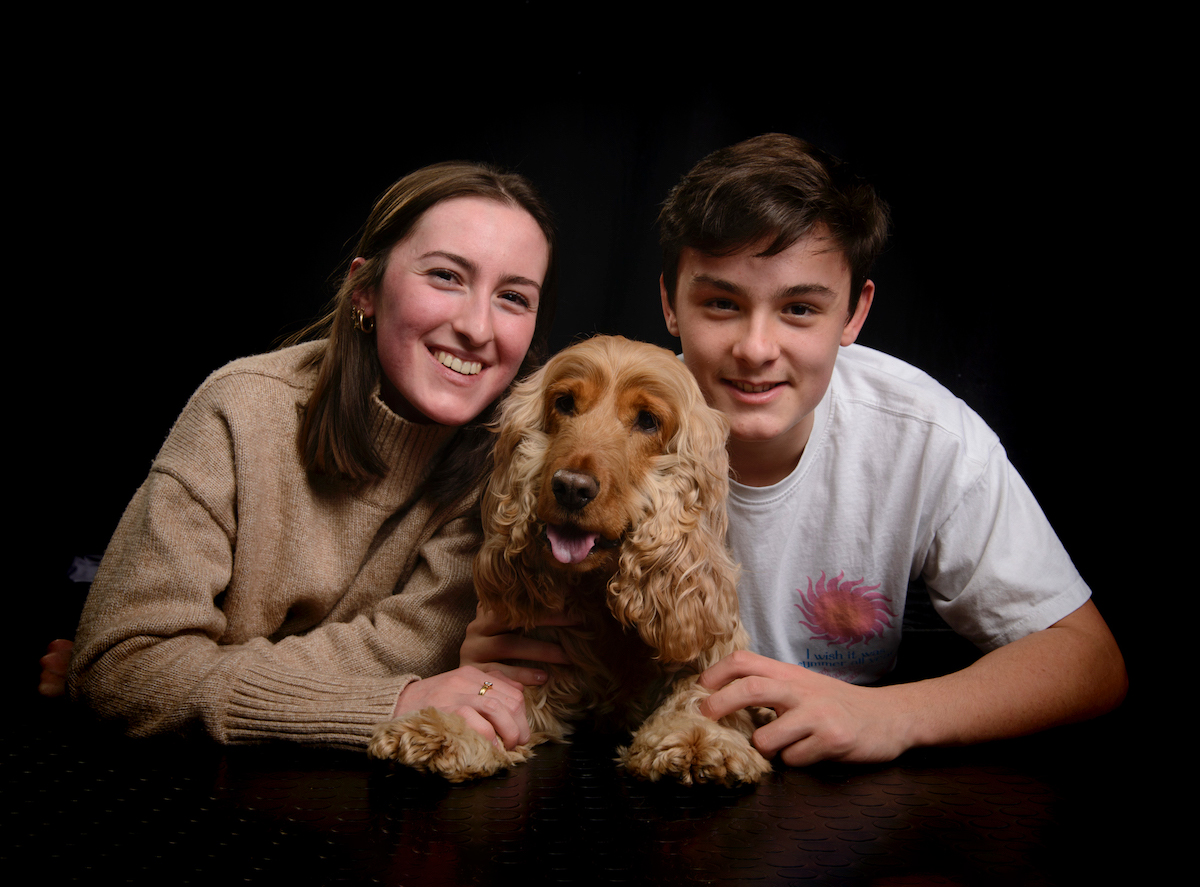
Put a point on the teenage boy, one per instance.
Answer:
(854, 473)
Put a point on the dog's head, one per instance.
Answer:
(609, 460)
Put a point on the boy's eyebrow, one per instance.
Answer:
(472, 268)
(798, 290)
(718, 283)
(808, 290)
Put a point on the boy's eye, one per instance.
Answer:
(798, 310)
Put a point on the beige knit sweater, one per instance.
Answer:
(242, 596)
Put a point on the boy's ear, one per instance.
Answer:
(668, 311)
(855, 323)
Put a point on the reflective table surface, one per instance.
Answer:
(81, 803)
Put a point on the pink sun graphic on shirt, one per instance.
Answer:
(844, 612)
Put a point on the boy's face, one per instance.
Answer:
(761, 336)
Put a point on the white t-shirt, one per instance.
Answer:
(899, 480)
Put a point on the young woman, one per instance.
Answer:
(298, 563)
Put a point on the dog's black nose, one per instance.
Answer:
(574, 489)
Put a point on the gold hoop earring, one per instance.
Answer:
(362, 323)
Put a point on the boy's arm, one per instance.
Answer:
(1068, 672)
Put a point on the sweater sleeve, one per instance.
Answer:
(150, 647)
(333, 684)
(301, 620)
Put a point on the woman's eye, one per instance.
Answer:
(565, 404)
(443, 275)
(647, 422)
(516, 299)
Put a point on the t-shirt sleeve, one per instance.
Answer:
(996, 570)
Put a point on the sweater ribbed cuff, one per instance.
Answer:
(332, 711)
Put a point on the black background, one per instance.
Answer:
(182, 211)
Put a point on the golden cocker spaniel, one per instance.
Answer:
(607, 499)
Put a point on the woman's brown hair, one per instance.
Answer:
(335, 433)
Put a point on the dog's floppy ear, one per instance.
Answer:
(509, 499)
(521, 419)
(677, 583)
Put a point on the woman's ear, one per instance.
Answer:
(363, 297)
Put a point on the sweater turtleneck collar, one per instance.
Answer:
(409, 449)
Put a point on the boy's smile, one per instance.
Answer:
(761, 334)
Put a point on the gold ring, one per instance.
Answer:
(487, 685)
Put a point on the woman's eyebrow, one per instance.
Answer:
(472, 268)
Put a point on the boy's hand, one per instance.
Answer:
(1066, 672)
(490, 643)
(819, 717)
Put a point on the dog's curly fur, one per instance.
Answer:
(608, 459)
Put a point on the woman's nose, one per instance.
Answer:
(474, 321)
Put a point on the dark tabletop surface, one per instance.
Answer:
(81, 803)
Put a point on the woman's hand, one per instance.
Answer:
(490, 643)
(55, 663)
(819, 717)
(497, 713)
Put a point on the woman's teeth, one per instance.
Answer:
(467, 368)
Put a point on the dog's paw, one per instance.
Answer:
(695, 752)
(439, 742)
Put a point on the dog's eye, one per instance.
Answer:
(647, 422)
(565, 404)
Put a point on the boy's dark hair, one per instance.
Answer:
(772, 189)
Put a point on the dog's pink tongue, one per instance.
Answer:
(569, 545)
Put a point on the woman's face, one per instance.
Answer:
(456, 309)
